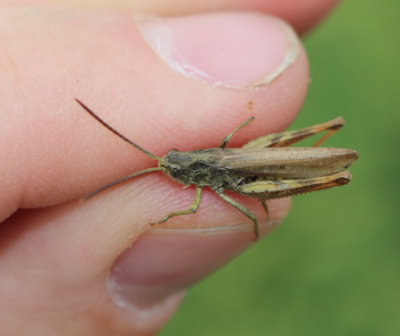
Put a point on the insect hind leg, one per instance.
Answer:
(285, 139)
(326, 136)
(265, 206)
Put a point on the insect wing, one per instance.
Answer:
(296, 163)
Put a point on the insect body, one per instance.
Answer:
(264, 168)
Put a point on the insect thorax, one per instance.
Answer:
(201, 168)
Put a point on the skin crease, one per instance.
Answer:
(55, 252)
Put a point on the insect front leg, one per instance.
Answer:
(193, 208)
(241, 208)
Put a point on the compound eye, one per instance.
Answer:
(175, 172)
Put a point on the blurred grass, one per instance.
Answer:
(333, 267)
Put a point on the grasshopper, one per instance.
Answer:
(263, 168)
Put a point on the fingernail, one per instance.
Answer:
(225, 49)
(154, 272)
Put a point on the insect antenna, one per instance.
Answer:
(149, 170)
(116, 132)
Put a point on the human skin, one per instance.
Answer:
(66, 267)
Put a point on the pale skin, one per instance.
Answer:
(56, 252)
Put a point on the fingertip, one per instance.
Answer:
(224, 49)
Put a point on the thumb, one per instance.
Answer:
(180, 83)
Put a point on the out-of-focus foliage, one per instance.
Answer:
(333, 267)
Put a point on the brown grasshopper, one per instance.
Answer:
(263, 168)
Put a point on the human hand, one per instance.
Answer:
(61, 268)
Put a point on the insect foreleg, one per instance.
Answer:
(225, 141)
(193, 208)
(242, 209)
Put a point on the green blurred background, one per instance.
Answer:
(333, 267)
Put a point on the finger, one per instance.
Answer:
(301, 14)
(53, 151)
(50, 145)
